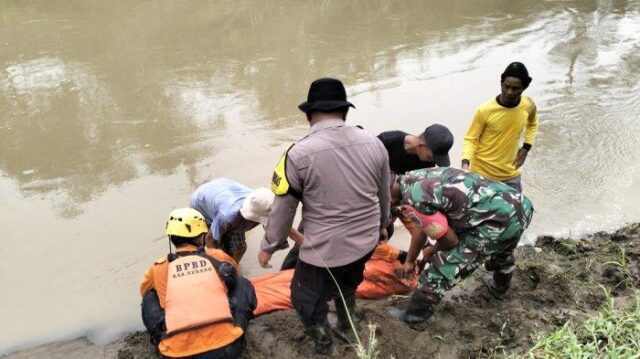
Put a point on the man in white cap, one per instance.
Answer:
(230, 209)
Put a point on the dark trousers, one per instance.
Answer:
(312, 287)
(291, 259)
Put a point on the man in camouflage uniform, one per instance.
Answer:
(484, 219)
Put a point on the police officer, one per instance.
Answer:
(340, 174)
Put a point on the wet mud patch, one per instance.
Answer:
(556, 280)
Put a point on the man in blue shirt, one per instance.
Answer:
(231, 209)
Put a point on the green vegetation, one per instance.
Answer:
(371, 350)
(623, 264)
(612, 333)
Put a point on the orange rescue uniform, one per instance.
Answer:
(193, 341)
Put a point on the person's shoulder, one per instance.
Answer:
(299, 147)
(160, 261)
(392, 134)
(392, 137)
(216, 183)
(221, 256)
(529, 104)
(488, 105)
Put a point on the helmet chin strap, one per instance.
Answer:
(201, 247)
(171, 256)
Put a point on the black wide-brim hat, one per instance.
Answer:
(325, 95)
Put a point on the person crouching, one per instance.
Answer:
(186, 295)
(473, 221)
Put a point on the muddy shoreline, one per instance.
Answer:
(556, 280)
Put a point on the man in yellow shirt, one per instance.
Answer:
(491, 145)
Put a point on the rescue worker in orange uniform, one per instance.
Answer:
(186, 295)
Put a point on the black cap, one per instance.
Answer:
(440, 140)
(517, 70)
(325, 95)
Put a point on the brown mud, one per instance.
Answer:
(555, 281)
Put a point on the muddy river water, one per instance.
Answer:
(111, 113)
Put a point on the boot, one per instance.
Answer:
(321, 336)
(498, 285)
(343, 318)
(420, 309)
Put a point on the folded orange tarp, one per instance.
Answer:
(274, 293)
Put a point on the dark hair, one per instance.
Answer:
(179, 241)
(518, 70)
(342, 111)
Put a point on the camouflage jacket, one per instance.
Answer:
(467, 199)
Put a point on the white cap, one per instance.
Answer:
(257, 205)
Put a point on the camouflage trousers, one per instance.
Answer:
(447, 268)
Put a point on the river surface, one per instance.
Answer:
(113, 112)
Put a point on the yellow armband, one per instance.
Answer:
(279, 183)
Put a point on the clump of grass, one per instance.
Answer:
(623, 264)
(371, 350)
(565, 247)
(612, 333)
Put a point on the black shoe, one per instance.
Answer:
(495, 289)
(419, 309)
(321, 336)
(344, 325)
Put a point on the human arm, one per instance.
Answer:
(521, 157)
(296, 236)
(384, 196)
(471, 139)
(209, 242)
(531, 129)
(278, 227)
(147, 282)
(224, 224)
(465, 165)
(418, 240)
(530, 133)
(434, 226)
(446, 242)
(281, 217)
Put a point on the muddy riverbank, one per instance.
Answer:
(557, 280)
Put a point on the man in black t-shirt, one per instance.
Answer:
(406, 153)
(409, 152)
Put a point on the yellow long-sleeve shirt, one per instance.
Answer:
(492, 141)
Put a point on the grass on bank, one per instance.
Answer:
(611, 333)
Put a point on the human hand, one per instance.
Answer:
(427, 252)
(520, 157)
(384, 235)
(264, 258)
(407, 271)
